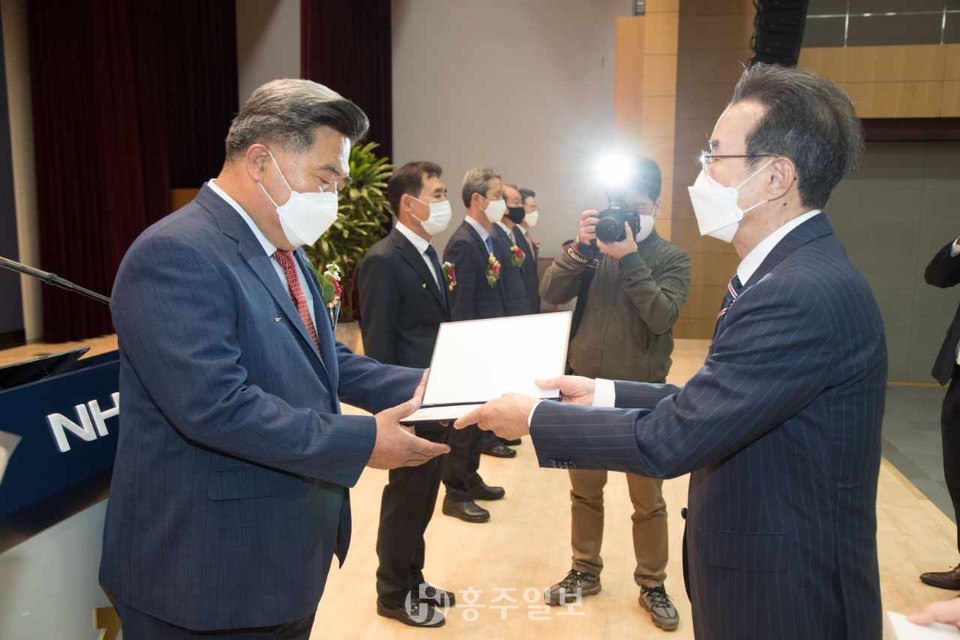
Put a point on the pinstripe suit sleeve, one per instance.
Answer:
(372, 386)
(773, 356)
(197, 375)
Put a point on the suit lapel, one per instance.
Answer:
(328, 341)
(476, 237)
(233, 226)
(413, 257)
(521, 240)
(816, 227)
(503, 235)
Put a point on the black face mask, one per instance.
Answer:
(516, 214)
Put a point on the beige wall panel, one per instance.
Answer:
(661, 33)
(724, 32)
(896, 99)
(952, 65)
(950, 105)
(659, 75)
(829, 62)
(658, 116)
(663, 6)
(715, 7)
(923, 63)
(706, 66)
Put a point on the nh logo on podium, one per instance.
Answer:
(91, 422)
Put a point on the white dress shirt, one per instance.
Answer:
(268, 248)
(508, 230)
(420, 245)
(753, 260)
(605, 395)
(484, 234)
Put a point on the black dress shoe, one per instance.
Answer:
(499, 451)
(417, 614)
(511, 443)
(468, 511)
(943, 579)
(436, 597)
(483, 491)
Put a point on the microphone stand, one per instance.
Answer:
(52, 279)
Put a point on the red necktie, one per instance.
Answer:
(285, 258)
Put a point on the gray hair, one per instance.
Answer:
(287, 112)
(477, 181)
(807, 119)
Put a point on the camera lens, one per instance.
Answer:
(610, 229)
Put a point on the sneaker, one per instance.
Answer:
(572, 589)
(662, 612)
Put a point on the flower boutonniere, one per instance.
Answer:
(449, 274)
(493, 270)
(517, 256)
(332, 290)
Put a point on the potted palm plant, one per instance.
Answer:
(364, 216)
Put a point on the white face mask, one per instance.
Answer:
(716, 207)
(646, 227)
(531, 218)
(304, 217)
(495, 210)
(440, 216)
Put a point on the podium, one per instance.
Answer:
(52, 499)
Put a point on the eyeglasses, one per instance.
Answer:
(333, 180)
(707, 158)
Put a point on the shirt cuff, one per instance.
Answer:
(955, 249)
(530, 417)
(605, 394)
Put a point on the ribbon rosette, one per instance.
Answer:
(493, 270)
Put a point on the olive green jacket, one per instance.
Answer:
(633, 303)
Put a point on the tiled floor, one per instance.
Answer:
(911, 440)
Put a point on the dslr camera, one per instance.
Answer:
(610, 220)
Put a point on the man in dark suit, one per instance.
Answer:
(403, 300)
(230, 494)
(478, 293)
(516, 298)
(521, 232)
(781, 426)
(944, 271)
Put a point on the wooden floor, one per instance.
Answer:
(525, 548)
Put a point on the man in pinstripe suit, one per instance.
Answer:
(781, 426)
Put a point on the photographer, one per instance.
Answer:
(629, 293)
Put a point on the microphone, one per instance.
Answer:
(52, 279)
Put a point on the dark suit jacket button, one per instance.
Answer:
(683, 513)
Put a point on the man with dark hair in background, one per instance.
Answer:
(403, 300)
(521, 233)
(629, 295)
(516, 299)
(477, 294)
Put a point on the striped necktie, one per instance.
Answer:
(733, 291)
(297, 296)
